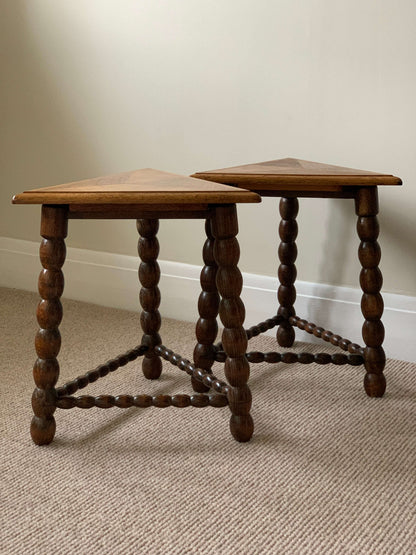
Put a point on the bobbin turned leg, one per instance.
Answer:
(149, 274)
(208, 304)
(54, 225)
(371, 281)
(232, 313)
(288, 230)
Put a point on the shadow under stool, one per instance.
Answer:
(146, 196)
(289, 179)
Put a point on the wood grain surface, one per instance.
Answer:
(294, 174)
(146, 186)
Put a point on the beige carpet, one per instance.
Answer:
(328, 471)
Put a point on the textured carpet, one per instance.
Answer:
(328, 471)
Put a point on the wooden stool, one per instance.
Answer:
(146, 195)
(289, 179)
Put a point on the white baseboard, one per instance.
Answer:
(111, 280)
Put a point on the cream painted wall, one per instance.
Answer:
(91, 87)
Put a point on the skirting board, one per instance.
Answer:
(111, 280)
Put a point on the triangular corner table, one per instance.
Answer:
(290, 178)
(146, 196)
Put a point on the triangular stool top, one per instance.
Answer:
(291, 174)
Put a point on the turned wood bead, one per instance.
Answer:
(286, 295)
(147, 227)
(232, 312)
(272, 358)
(241, 427)
(52, 253)
(369, 254)
(372, 306)
(326, 335)
(373, 333)
(142, 401)
(206, 331)
(234, 341)
(150, 321)
(375, 384)
(48, 343)
(208, 279)
(368, 228)
(289, 358)
(288, 253)
(323, 358)
(199, 401)
(181, 401)
(239, 399)
(149, 298)
(306, 358)
(227, 250)
(288, 230)
(287, 274)
(375, 359)
(204, 356)
(46, 372)
(208, 252)
(335, 340)
(288, 207)
(148, 248)
(236, 371)
(44, 402)
(49, 313)
(371, 280)
(149, 274)
(208, 304)
(229, 282)
(50, 284)
(42, 429)
(344, 344)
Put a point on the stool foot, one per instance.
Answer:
(375, 385)
(288, 230)
(241, 427)
(42, 430)
(234, 338)
(208, 306)
(371, 280)
(149, 275)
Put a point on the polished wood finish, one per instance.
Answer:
(232, 313)
(49, 315)
(290, 178)
(146, 196)
(149, 274)
(371, 280)
(296, 175)
(286, 294)
(204, 376)
(141, 187)
(208, 306)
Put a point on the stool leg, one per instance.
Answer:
(54, 225)
(208, 305)
(288, 230)
(371, 280)
(232, 313)
(149, 274)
